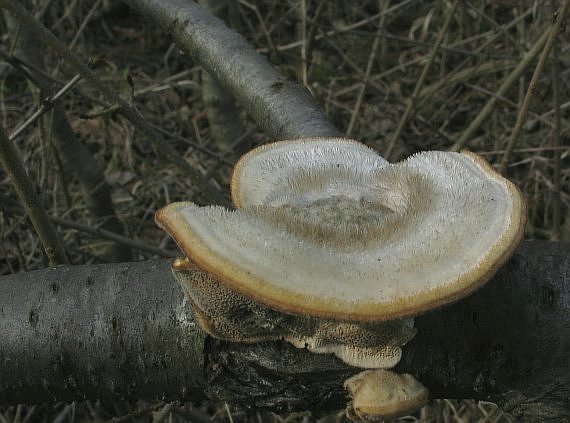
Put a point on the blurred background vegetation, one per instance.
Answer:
(384, 71)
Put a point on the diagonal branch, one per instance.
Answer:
(205, 191)
(125, 330)
(75, 156)
(282, 108)
(11, 161)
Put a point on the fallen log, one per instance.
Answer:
(126, 331)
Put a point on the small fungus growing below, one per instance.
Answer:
(334, 249)
(383, 393)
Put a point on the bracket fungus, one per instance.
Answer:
(334, 249)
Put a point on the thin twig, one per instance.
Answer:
(561, 17)
(556, 200)
(412, 100)
(347, 28)
(503, 30)
(492, 65)
(204, 190)
(83, 25)
(47, 105)
(364, 84)
(508, 102)
(303, 25)
(119, 239)
(360, 73)
(12, 208)
(170, 82)
(507, 83)
(560, 149)
(311, 33)
(264, 30)
(12, 163)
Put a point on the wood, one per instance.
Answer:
(282, 108)
(125, 330)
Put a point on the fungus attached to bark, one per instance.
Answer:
(338, 240)
(334, 249)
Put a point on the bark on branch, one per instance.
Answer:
(125, 330)
(282, 108)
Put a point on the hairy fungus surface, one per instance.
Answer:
(329, 229)
(333, 249)
(301, 171)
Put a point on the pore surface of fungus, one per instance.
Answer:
(229, 315)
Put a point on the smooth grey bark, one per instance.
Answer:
(97, 331)
(125, 330)
(282, 108)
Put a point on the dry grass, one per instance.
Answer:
(365, 69)
(452, 411)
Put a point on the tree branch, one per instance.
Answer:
(282, 108)
(11, 162)
(125, 330)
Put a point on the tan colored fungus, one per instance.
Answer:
(335, 250)
(226, 314)
(380, 394)
(405, 238)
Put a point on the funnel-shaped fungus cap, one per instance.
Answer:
(329, 229)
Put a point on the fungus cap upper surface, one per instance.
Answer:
(380, 394)
(345, 235)
(301, 171)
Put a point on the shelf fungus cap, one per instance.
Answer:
(328, 228)
(301, 171)
(379, 394)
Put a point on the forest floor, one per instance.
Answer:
(365, 63)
